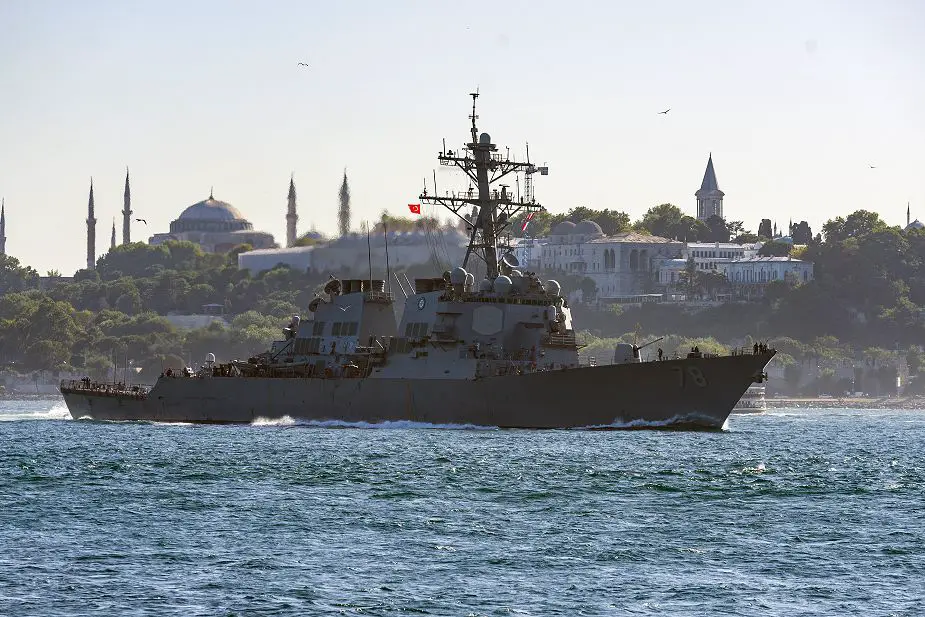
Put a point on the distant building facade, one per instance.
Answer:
(349, 255)
(759, 271)
(622, 265)
(712, 255)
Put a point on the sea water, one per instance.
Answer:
(792, 512)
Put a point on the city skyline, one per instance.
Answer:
(807, 117)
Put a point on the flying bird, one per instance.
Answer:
(872, 166)
(665, 112)
(142, 221)
(303, 64)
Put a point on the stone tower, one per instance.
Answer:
(3, 227)
(291, 216)
(91, 232)
(709, 197)
(127, 212)
(112, 241)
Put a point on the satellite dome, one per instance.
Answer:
(503, 285)
(565, 228)
(485, 285)
(553, 287)
(458, 276)
(210, 358)
(469, 279)
(588, 228)
(484, 138)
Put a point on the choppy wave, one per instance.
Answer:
(784, 515)
(11, 411)
(697, 421)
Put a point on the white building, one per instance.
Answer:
(759, 271)
(351, 255)
(713, 255)
(622, 265)
(529, 252)
(296, 257)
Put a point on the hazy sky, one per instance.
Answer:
(794, 99)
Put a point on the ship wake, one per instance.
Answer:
(685, 422)
(288, 421)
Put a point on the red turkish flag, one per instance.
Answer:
(415, 208)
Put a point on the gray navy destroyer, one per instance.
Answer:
(497, 352)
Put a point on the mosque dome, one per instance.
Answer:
(565, 228)
(210, 215)
(588, 228)
(211, 209)
(916, 224)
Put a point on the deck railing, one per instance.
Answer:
(86, 386)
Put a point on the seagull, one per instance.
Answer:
(142, 221)
(303, 64)
(664, 112)
(872, 166)
(343, 308)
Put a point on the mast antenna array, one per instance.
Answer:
(484, 166)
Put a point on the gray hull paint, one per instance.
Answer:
(699, 392)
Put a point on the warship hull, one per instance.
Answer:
(684, 393)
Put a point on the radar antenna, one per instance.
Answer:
(496, 209)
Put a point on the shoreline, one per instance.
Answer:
(885, 402)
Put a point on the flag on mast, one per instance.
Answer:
(527, 222)
(415, 208)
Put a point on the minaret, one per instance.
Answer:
(91, 232)
(2, 226)
(127, 213)
(112, 241)
(709, 197)
(291, 216)
(908, 222)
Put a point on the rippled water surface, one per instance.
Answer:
(786, 513)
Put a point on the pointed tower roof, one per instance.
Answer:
(128, 191)
(90, 201)
(2, 226)
(709, 184)
(292, 187)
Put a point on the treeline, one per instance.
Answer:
(665, 220)
(115, 314)
(868, 292)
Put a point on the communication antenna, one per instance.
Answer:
(388, 270)
(369, 255)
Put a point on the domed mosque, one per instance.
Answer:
(216, 226)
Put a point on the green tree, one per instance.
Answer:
(774, 249)
(801, 233)
(14, 276)
(717, 229)
(764, 230)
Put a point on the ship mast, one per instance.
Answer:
(496, 209)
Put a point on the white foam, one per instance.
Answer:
(57, 411)
(680, 419)
(388, 424)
